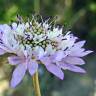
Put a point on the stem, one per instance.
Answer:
(36, 84)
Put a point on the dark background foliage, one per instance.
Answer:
(79, 16)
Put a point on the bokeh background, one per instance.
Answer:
(79, 16)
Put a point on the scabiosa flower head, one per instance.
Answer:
(33, 43)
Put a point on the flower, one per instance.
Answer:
(33, 43)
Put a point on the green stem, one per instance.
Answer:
(36, 84)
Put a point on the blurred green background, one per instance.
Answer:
(76, 15)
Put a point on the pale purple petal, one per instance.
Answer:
(74, 60)
(18, 75)
(6, 28)
(13, 60)
(2, 51)
(75, 49)
(85, 53)
(58, 56)
(76, 52)
(55, 70)
(45, 60)
(79, 44)
(32, 67)
(2, 46)
(72, 68)
(80, 54)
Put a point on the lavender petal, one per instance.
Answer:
(85, 53)
(76, 52)
(18, 75)
(13, 60)
(45, 60)
(55, 70)
(32, 67)
(74, 60)
(72, 68)
(2, 51)
(58, 56)
(79, 44)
